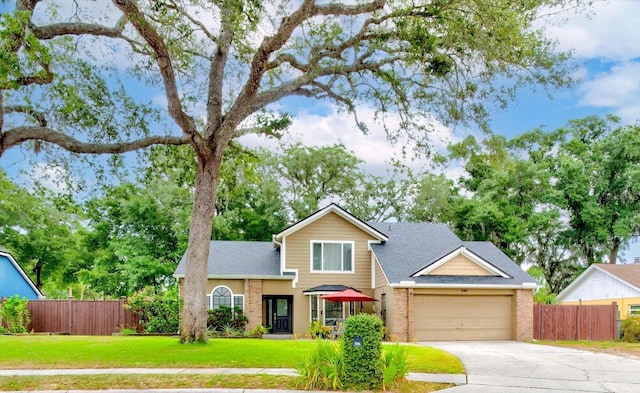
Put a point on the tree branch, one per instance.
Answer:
(51, 31)
(163, 59)
(19, 135)
(37, 116)
(216, 75)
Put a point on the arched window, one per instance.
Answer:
(223, 296)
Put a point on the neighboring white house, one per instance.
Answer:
(603, 283)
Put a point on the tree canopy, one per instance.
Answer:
(72, 77)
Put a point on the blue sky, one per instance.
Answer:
(606, 47)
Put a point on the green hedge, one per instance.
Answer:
(362, 348)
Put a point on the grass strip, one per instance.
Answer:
(55, 352)
(150, 381)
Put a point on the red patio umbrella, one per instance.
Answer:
(348, 295)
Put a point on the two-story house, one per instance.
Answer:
(429, 284)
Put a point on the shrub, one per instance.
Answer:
(394, 365)
(15, 314)
(323, 368)
(317, 330)
(158, 313)
(258, 331)
(362, 365)
(631, 329)
(226, 319)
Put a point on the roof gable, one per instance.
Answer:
(332, 208)
(461, 262)
(416, 249)
(10, 283)
(603, 281)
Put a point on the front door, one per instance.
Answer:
(279, 313)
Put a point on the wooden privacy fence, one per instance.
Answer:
(80, 317)
(575, 322)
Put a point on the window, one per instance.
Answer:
(223, 296)
(634, 309)
(332, 313)
(332, 256)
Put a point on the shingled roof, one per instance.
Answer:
(414, 246)
(242, 259)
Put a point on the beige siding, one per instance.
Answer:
(381, 279)
(388, 292)
(328, 228)
(460, 266)
(236, 286)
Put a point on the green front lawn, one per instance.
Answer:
(42, 352)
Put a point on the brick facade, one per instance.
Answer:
(523, 303)
(253, 302)
(402, 324)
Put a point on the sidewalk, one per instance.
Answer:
(458, 379)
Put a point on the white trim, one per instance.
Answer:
(473, 257)
(342, 243)
(22, 273)
(241, 276)
(412, 284)
(374, 257)
(332, 208)
(233, 295)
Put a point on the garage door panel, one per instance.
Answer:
(439, 317)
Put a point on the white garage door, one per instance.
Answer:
(474, 318)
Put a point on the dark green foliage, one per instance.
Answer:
(15, 315)
(630, 329)
(322, 369)
(362, 366)
(158, 313)
(224, 319)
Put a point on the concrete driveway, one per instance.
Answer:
(516, 367)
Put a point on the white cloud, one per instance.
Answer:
(617, 89)
(51, 177)
(609, 30)
(373, 148)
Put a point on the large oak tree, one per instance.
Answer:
(75, 78)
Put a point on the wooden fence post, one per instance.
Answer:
(578, 307)
(70, 319)
(123, 300)
(614, 315)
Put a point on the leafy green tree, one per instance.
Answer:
(312, 176)
(41, 230)
(409, 60)
(596, 168)
(134, 240)
(433, 199)
(507, 193)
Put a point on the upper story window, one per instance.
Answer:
(634, 309)
(332, 256)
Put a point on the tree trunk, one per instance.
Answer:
(613, 253)
(194, 314)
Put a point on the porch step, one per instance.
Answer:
(277, 336)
